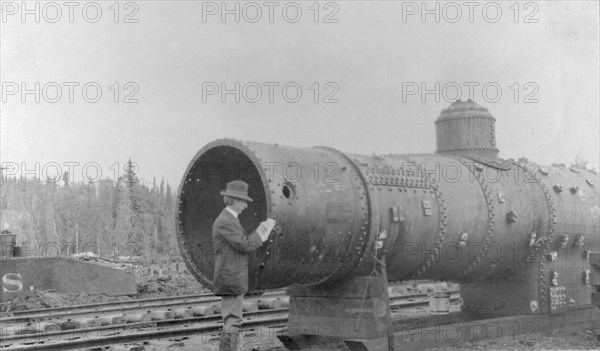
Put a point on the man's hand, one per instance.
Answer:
(264, 229)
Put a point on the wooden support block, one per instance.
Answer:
(354, 287)
(285, 302)
(418, 335)
(354, 309)
(161, 315)
(199, 311)
(302, 342)
(348, 316)
(595, 259)
(250, 306)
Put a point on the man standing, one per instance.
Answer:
(232, 246)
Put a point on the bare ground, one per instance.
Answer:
(170, 277)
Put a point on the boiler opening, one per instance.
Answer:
(288, 190)
(201, 201)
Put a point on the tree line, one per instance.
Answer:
(121, 217)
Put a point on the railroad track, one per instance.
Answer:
(68, 329)
(125, 306)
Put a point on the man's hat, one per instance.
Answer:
(237, 189)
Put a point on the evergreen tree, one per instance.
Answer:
(124, 215)
(97, 217)
(169, 239)
(107, 211)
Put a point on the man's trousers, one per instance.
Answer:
(231, 311)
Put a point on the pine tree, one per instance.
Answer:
(107, 209)
(136, 235)
(169, 239)
(99, 217)
(124, 215)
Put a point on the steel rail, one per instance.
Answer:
(114, 333)
(134, 305)
(120, 306)
(138, 335)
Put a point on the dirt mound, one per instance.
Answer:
(45, 299)
(166, 277)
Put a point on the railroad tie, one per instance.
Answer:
(285, 302)
(199, 311)
(122, 319)
(269, 304)
(160, 315)
(594, 259)
(90, 322)
(70, 324)
(37, 327)
(250, 306)
(127, 348)
(26, 328)
(105, 320)
(180, 313)
(135, 318)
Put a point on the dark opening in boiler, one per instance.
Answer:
(288, 190)
(201, 201)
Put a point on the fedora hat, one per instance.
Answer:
(238, 190)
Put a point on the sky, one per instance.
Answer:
(155, 81)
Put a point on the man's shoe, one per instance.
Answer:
(229, 341)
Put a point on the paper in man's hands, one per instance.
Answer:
(264, 229)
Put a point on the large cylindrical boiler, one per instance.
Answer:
(438, 216)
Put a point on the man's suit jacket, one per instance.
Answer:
(232, 246)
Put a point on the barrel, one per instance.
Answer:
(439, 303)
(7, 245)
